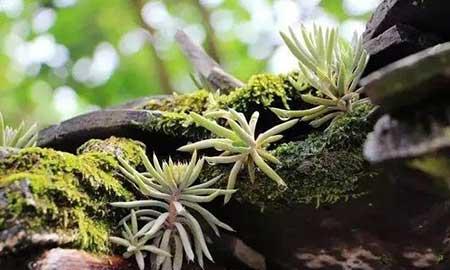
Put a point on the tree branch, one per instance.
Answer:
(163, 74)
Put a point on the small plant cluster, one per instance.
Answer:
(332, 66)
(166, 218)
(165, 225)
(169, 223)
(239, 144)
(17, 138)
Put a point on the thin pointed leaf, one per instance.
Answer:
(271, 139)
(288, 114)
(134, 225)
(140, 260)
(318, 101)
(141, 203)
(158, 223)
(201, 145)
(197, 170)
(178, 258)
(225, 159)
(243, 135)
(266, 169)
(155, 250)
(119, 241)
(207, 183)
(253, 121)
(268, 156)
(27, 136)
(232, 178)
(185, 241)
(204, 199)
(164, 245)
(317, 123)
(276, 129)
(198, 234)
(208, 216)
(213, 126)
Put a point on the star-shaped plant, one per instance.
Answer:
(170, 187)
(239, 144)
(136, 244)
(332, 66)
(17, 138)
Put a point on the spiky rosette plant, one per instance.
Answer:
(330, 65)
(17, 138)
(239, 144)
(137, 244)
(167, 214)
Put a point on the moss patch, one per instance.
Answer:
(194, 102)
(114, 146)
(261, 92)
(67, 194)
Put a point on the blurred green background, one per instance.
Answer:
(60, 58)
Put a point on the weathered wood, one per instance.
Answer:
(411, 79)
(395, 43)
(426, 16)
(399, 138)
(70, 134)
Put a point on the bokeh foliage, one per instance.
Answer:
(30, 91)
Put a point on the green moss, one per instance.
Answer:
(193, 102)
(114, 146)
(176, 125)
(259, 93)
(261, 90)
(66, 193)
(324, 168)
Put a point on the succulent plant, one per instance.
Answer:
(171, 187)
(332, 66)
(137, 244)
(17, 138)
(239, 144)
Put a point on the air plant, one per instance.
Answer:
(239, 144)
(170, 188)
(17, 138)
(332, 66)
